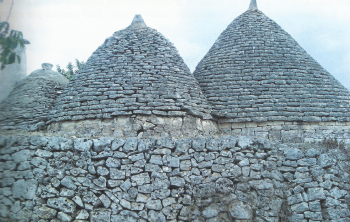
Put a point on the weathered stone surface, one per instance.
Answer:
(325, 160)
(62, 204)
(293, 154)
(82, 215)
(156, 216)
(112, 162)
(21, 156)
(64, 217)
(25, 189)
(46, 213)
(101, 215)
(27, 107)
(117, 174)
(82, 145)
(154, 204)
(141, 179)
(102, 143)
(101, 181)
(67, 182)
(78, 201)
(177, 181)
(211, 211)
(316, 194)
(240, 211)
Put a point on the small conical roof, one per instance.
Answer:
(28, 105)
(137, 71)
(256, 71)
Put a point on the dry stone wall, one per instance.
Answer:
(136, 126)
(256, 72)
(159, 179)
(282, 131)
(179, 127)
(28, 105)
(137, 71)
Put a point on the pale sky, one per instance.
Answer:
(63, 30)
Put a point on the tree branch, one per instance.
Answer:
(10, 11)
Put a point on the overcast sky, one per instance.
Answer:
(64, 30)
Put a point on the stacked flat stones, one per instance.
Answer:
(137, 71)
(257, 72)
(28, 105)
(159, 179)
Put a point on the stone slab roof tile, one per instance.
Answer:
(135, 70)
(254, 61)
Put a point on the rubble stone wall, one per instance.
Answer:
(290, 131)
(136, 126)
(159, 179)
(178, 127)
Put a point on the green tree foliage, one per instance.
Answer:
(71, 69)
(9, 41)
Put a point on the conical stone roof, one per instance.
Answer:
(28, 105)
(256, 71)
(137, 71)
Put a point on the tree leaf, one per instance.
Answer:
(18, 58)
(12, 58)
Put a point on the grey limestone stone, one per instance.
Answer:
(240, 211)
(117, 143)
(101, 181)
(177, 181)
(244, 142)
(99, 215)
(337, 193)
(156, 216)
(141, 179)
(64, 217)
(325, 160)
(293, 154)
(102, 143)
(62, 204)
(66, 192)
(78, 201)
(21, 156)
(105, 201)
(117, 174)
(82, 145)
(183, 145)
(300, 208)
(156, 159)
(82, 215)
(24, 188)
(315, 206)
(211, 211)
(113, 162)
(316, 194)
(130, 145)
(67, 182)
(46, 212)
(154, 205)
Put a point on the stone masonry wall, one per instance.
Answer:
(158, 179)
(177, 127)
(136, 126)
(290, 131)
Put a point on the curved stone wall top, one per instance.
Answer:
(137, 71)
(27, 107)
(257, 72)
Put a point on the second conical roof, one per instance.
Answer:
(137, 71)
(256, 71)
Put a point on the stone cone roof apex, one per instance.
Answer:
(253, 5)
(138, 23)
(256, 72)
